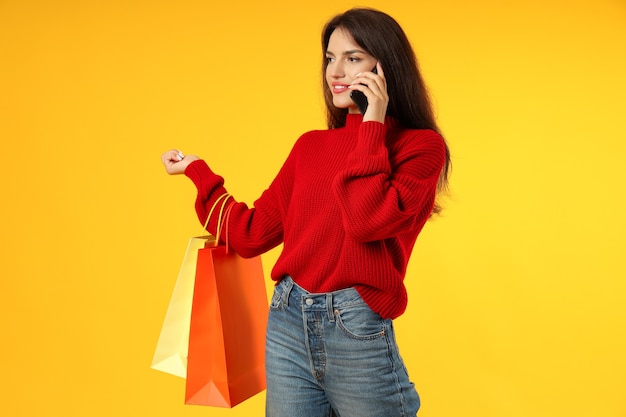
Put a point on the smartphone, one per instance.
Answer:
(359, 97)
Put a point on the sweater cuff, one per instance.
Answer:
(371, 137)
(201, 175)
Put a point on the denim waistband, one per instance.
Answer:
(295, 295)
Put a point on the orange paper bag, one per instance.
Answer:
(226, 358)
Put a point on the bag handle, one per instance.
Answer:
(226, 218)
(220, 219)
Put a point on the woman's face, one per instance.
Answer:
(345, 60)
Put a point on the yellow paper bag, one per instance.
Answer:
(170, 355)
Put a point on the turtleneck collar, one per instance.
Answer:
(354, 120)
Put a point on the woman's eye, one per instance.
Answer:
(329, 59)
(353, 59)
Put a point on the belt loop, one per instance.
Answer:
(329, 307)
(288, 287)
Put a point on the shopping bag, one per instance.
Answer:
(226, 361)
(170, 355)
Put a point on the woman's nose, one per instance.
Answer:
(336, 70)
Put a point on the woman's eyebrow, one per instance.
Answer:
(349, 52)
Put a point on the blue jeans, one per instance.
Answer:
(332, 352)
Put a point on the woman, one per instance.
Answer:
(348, 205)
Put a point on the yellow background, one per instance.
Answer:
(517, 294)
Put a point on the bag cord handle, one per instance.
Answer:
(226, 218)
(220, 218)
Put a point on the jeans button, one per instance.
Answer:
(309, 301)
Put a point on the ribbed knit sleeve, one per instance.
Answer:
(251, 231)
(389, 183)
(210, 187)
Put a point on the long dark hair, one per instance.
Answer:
(383, 38)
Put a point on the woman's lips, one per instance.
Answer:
(339, 88)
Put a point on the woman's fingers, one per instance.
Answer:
(374, 86)
(374, 82)
(171, 156)
(176, 162)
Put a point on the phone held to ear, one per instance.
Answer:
(359, 97)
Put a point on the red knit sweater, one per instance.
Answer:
(347, 205)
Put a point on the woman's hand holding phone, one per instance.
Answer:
(369, 92)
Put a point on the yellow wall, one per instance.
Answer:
(517, 295)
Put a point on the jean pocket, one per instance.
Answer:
(277, 297)
(360, 322)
